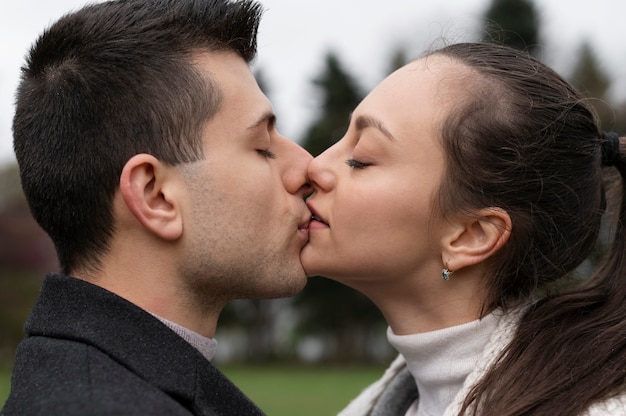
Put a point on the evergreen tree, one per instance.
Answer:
(620, 119)
(398, 59)
(514, 23)
(345, 320)
(589, 77)
(340, 94)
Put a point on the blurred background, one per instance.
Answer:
(317, 60)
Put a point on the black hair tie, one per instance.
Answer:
(610, 148)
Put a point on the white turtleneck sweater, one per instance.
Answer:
(441, 360)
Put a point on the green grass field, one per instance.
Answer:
(305, 391)
(286, 390)
(5, 384)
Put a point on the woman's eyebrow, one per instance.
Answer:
(363, 122)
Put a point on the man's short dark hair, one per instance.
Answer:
(105, 83)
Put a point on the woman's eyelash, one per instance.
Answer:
(355, 164)
(268, 154)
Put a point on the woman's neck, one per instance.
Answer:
(414, 305)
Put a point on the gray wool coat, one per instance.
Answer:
(87, 351)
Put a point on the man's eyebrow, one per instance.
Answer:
(269, 118)
(363, 122)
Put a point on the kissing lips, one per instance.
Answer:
(303, 227)
(318, 219)
(317, 222)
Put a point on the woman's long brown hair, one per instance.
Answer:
(521, 138)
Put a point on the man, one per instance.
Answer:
(150, 156)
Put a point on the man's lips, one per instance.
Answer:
(304, 225)
(305, 221)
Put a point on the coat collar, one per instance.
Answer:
(73, 309)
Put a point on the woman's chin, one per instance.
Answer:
(310, 262)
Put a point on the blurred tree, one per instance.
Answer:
(26, 253)
(514, 23)
(23, 244)
(398, 59)
(340, 94)
(620, 118)
(10, 189)
(346, 320)
(254, 323)
(589, 77)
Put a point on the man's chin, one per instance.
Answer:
(293, 285)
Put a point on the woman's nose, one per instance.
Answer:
(321, 173)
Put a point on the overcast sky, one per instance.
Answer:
(295, 35)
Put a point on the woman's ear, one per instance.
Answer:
(150, 190)
(476, 237)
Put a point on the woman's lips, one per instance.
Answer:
(317, 225)
(317, 221)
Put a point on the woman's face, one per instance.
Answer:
(374, 189)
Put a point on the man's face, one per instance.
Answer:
(246, 220)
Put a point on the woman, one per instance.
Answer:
(467, 189)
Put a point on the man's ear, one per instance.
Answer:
(150, 190)
(474, 238)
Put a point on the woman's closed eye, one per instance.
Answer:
(355, 164)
